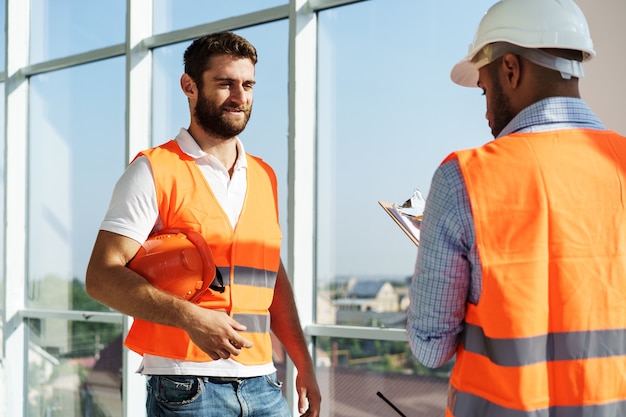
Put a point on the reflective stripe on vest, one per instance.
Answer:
(468, 405)
(255, 277)
(255, 323)
(248, 257)
(247, 276)
(548, 334)
(530, 350)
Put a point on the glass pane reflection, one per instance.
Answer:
(74, 369)
(61, 28)
(2, 205)
(385, 111)
(352, 371)
(175, 14)
(3, 38)
(76, 153)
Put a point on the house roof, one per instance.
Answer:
(365, 289)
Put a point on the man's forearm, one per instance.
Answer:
(286, 322)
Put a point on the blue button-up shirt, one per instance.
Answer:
(448, 271)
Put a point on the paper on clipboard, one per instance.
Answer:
(408, 215)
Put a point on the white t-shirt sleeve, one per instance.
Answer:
(133, 210)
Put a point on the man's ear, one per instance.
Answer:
(188, 85)
(511, 67)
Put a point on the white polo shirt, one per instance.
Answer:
(133, 212)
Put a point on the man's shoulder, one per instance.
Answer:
(260, 162)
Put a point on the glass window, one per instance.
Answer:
(179, 14)
(266, 133)
(3, 36)
(74, 368)
(2, 213)
(370, 377)
(77, 152)
(61, 28)
(388, 114)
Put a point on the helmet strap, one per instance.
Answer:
(567, 67)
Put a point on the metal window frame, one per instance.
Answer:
(138, 48)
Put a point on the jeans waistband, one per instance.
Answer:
(227, 379)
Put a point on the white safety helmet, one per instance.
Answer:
(529, 25)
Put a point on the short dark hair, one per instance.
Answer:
(198, 55)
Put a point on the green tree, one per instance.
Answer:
(88, 338)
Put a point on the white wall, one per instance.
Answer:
(604, 86)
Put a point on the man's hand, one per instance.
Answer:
(287, 328)
(109, 281)
(216, 333)
(309, 397)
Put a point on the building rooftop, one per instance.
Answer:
(365, 289)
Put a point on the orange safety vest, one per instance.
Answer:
(548, 336)
(248, 257)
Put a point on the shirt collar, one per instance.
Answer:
(553, 113)
(189, 146)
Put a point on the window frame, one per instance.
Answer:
(140, 42)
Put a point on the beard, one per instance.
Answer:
(501, 108)
(215, 122)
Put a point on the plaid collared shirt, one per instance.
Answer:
(448, 271)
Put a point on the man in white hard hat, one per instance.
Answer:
(521, 271)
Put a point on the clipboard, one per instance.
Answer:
(408, 223)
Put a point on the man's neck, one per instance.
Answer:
(224, 150)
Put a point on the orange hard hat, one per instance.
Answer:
(179, 262)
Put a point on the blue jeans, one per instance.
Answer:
(190, 396)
